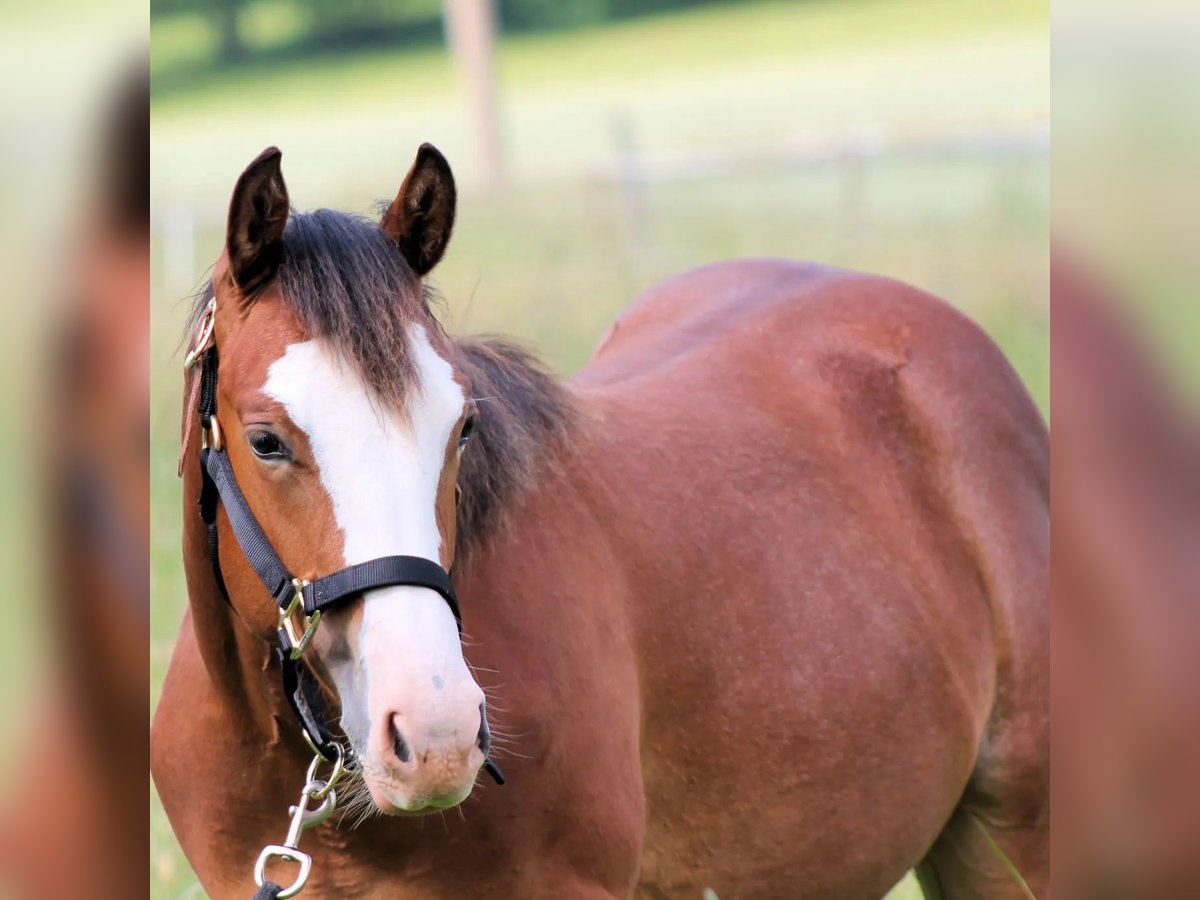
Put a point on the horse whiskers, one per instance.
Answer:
(506, 752)
(358, 805)
(490, 696)
(361, 811)
(478, 792)
(505, 733)
(505, 743)
(354, 814)
(368, 810)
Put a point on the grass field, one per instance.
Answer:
(552, 257)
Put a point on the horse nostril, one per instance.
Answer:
(484, 738)
(399, 745)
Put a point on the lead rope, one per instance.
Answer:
(315, 789)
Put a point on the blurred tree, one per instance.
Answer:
(539, 15)
(328, 22)
(534, 15)
(343, 24)
(231, 47)
(224, 15)
(344, 17)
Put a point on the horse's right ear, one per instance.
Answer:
(258, 213)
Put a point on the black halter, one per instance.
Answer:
(294, 596)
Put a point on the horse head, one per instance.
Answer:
(344, 419)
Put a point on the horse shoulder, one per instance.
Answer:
(208, 799)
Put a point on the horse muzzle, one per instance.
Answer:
(420, 764)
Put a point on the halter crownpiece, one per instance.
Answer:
(300, 602)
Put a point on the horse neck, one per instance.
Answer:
(528, 422)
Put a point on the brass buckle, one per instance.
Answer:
(297, 643)
(339, 769)
(207, 322)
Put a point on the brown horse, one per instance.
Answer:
(763, 588)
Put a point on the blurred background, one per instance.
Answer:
(600, 147)
(73, 416)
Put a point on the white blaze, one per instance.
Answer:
(381, 470)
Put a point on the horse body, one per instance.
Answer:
(853, 481)
(773, 621)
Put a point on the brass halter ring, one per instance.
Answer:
(296, 642)
(211, 436)
(339, 768)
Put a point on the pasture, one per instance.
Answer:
(634, 151)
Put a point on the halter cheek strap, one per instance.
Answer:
(300, 602)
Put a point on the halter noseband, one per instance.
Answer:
(297, 599)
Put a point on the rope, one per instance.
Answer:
(269, 891)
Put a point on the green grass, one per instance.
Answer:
(555, 255)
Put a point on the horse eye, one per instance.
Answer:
(267, 446)
(468, 429)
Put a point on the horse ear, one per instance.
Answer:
(421, 217)
(258, 213)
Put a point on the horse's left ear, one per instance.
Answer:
(421, 217)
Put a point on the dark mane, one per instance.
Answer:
(525, 415)
(348, 283)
